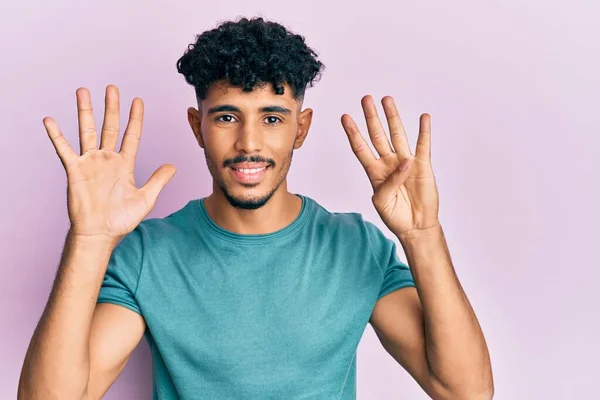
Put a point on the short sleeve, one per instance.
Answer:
(396, 274)
(122, 275)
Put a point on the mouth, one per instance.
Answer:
(248, 175)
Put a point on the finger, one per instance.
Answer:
(397, 132)
(357, 142)
(389, 188)
(157, 182)
(423, 151)
(87, 130)
(65, 152)
(133, 132)
(375, 128)
(110, 126)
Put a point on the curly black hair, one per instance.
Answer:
(248, 53)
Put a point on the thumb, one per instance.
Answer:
(157, 182)
(389, 187)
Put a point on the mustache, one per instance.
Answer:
(252, 158)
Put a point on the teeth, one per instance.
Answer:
(250, 170)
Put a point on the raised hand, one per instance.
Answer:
(405, 193)
(103, 200)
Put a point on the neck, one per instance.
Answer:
(280, 211)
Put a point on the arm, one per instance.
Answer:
(79, 348)
(431, 330)
(114, 334)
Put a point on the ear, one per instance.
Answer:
(304, 121)
(195, 119)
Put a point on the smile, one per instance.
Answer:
(248, 175)
(249, 170)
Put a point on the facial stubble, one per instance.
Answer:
(254, 202)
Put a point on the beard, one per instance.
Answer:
(248, 202)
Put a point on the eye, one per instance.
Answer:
(225, 118)
(273, 120)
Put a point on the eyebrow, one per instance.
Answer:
(229, 107)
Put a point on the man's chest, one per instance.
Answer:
(266, 318)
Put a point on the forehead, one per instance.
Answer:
(221, 93)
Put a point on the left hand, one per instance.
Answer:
(407, 200)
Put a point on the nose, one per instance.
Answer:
(249, 138)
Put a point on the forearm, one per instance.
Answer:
(455, 345)
(57, 361)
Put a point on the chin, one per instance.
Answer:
(248, 201)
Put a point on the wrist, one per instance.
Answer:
(425, 246)
(93, 241)
(88, 250)
(419, 235)
(84, 260)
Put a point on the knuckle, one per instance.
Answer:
(359, 147)
(376, 134)
(134, 136)
(112, 129)
(128, 156)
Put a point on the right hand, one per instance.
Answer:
(102, 198)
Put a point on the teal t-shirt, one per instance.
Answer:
(268, 316)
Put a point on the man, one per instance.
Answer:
(252, 292)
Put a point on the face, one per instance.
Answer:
(248, 140)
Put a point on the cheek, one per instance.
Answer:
(217, 149)
(283, 144)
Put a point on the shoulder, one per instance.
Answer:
(155, 231)
(349, 224)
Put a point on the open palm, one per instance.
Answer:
(406, 199)
(102, 197)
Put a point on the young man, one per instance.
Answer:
(252, 292)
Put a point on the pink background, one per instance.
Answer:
(512, 89)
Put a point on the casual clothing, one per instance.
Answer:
(267, 316)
